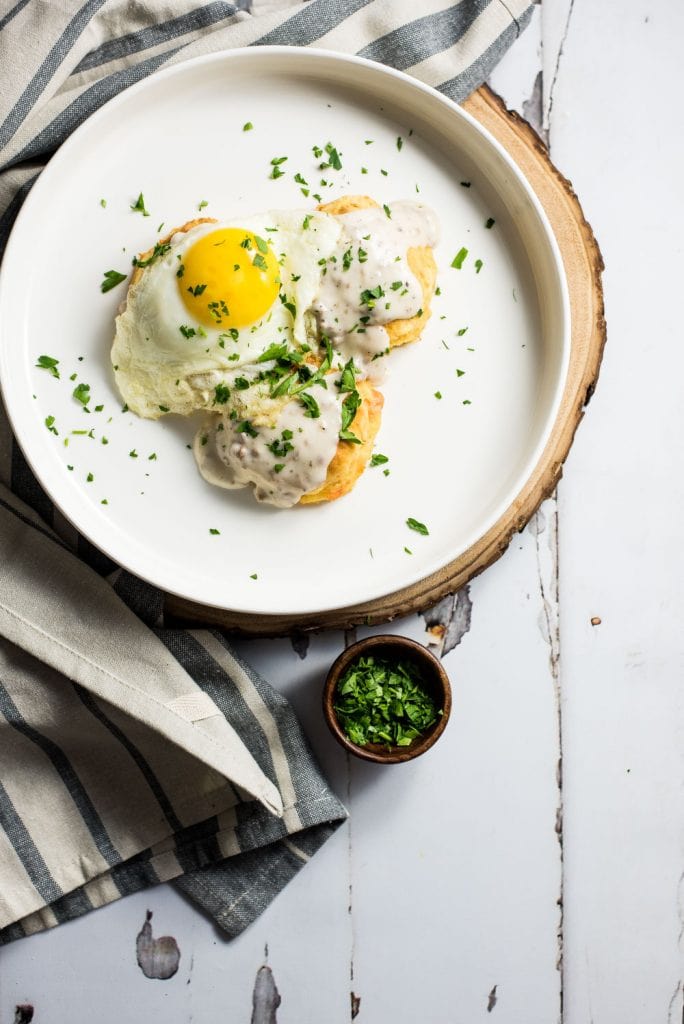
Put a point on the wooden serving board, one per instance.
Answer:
(583, 267)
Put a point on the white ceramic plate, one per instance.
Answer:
(455, 463)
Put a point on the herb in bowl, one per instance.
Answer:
(378, 701)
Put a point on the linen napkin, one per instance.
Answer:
(131, 754)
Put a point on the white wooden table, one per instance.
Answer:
(530, 869)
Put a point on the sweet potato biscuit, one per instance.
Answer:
(350, 460)
(419, 258)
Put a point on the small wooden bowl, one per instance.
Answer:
(435, 680)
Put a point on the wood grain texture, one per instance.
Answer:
(583, 266)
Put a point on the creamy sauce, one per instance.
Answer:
(371, 258)
(231, 458)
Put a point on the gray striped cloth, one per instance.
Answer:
(131, 754)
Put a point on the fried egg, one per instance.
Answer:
(213, 297)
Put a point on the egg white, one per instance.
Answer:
(158, 370)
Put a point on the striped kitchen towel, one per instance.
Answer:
(132, 754)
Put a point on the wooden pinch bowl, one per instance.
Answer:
(434, 679)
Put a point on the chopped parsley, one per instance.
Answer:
(139, 206)
(133, 454)
(275, 166)
(310, 404)
(82, 394)
(197, 290)
(203, 203)
(103, 203)
(187, 332)
(459, 258)
(246, 428)
(400, 142)
(50, 424)
(438, 394)
(460, 373)
(466, 184)
(221, 394)
(160, 249)
(90, 478)
(259, 262)
(48, 363)
(370, 295)
(461, 331)
(384, 702)
(414, 524)
(214, 532)
(247, 126)
(478, 266)
(388, 212)
(490, 222)
(378, 459)
(111, 279)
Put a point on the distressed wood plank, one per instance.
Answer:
(618, 138)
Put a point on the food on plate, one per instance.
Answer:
(272, 325)
(362, 216)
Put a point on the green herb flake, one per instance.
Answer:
(460, 373)
(90, 478)
(408, 551)
(310, 404)
(400, 142)
(221, 394)
(82, 394)
(133, 454)
(214, 532)
(438, 394)
(50, 424)
(139, 206)
(202, 204)
(378, 459)
(478, 266)
(467, 402)
(490, 222)
(414, 524)
(103, 203)
(48, 363)
(259, 262)
(379, 701)
(111, 279)
(388, 212)
(254, 576)
(466, 184)
(459, 258)
(247, 126)
(461, 331)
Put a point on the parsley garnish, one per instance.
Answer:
(159, 250)
(246, 428)
(388, 212)
(400, 142)
(187, 332)
(103, 203)
(82, 394)
(48, 363)
(259, 262)
(247, 126)
(459, 258)
(50, 424)
(221, 394)
(262, 244)
(197, 290)
(202, 204)
(478, 266)
(378, 459)
(139, 206)
(413, 524)
(306, 222)
(490, 222)
(385, 702)
(214, 532)
(465, 184)
(133, 454)
(369, 295)
(275, 166)
(310, 404)
(111, 279)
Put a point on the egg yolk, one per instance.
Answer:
(229, 278)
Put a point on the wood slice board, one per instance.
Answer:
(583, 267)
